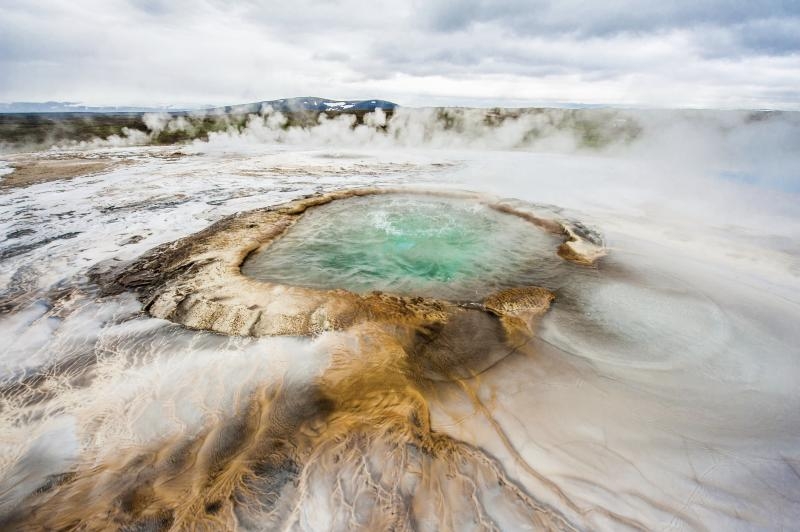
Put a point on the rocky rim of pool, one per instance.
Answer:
(198, 282)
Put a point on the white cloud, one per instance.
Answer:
(511, 52)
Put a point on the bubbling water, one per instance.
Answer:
(407, 244)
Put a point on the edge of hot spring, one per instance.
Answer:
(197, 281)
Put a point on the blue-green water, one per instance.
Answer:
(406, 244)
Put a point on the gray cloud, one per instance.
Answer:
(601, 18)
(709, 53)
(770, 36)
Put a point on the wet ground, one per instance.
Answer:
(658, 392)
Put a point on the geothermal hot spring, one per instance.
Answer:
(408, 244)
(338, 329)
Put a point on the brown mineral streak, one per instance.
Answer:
(32, 171)
(365, 420)
(360, 430)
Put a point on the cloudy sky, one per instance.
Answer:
(680, 53)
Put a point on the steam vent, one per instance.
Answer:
(407, 296)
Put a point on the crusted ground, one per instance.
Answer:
(31, 171)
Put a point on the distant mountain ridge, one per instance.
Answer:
(74, 107)
(313, 104)
(299, 104)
